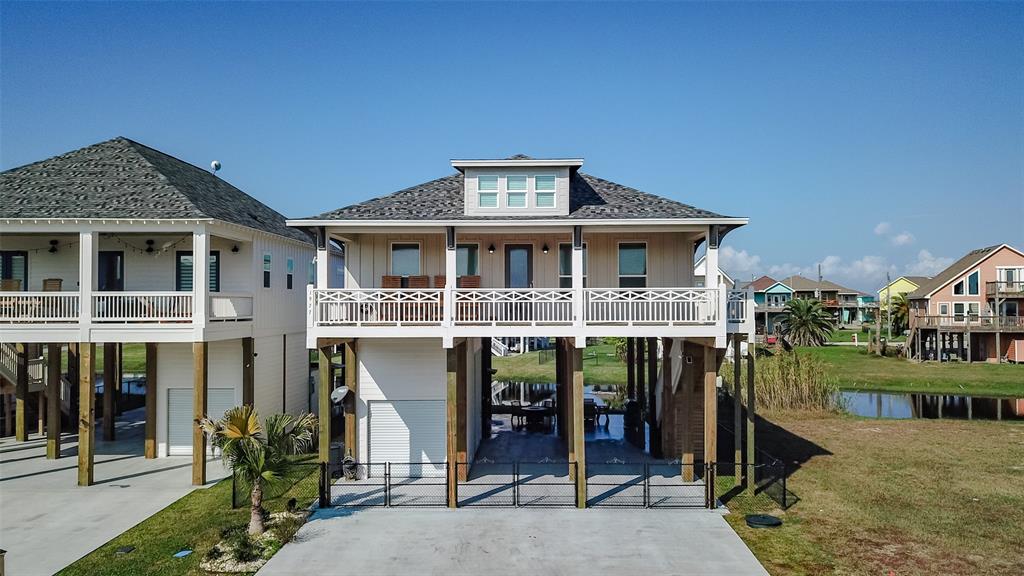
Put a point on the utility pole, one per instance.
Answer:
(888, 303)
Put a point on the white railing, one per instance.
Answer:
(132, 307)
(651, 306)
(376, 307)
(38, 307)
(513, 306)
(736, 307)
(224, 307)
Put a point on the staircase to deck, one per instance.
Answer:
(36, 371)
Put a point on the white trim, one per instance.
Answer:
(618, 252)
(302, 223)
(558, 264)
(518, 163)
(967, 282)
(976, 264)
(419, 254)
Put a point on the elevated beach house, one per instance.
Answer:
(518, 247)
(971, 311)
(117, 244)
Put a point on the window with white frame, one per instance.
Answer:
(487, 191)
(544, 186)
(467, 260)
(290, 273)
(515, 187)
(943, 309)
(633, 265)
(974, 283)
(958, 288)
(565, 265)
(267, 267)
(311, 272)
(405, 259)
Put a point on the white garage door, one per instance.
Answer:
(407, 431)
(179, 415)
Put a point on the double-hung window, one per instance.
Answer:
(544, 186)
(467, 260)
(267, 264)
(487, 191)
(183, 267)
(632, 265)
(515, 187)
(565, 265)
(290, 271)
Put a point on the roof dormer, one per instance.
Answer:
(517, 186)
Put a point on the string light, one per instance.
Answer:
(55, 246)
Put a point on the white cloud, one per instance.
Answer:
(738, 263)
(882, 228)
(902, 239)
(927, 264)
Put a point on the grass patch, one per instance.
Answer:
(133, 359)
(845, 335)
(194, 522)
(907, 496)
(600, 366)
(855, 369)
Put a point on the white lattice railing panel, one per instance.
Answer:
(39, 307)
(134, 307)
(513, 306)
(655, 306)
(394, 307)
(230, 306)
(736, 305)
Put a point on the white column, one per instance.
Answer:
(711, 278)
(323, 259)
(450, 273)
(577, 278)
(200, 279)
(352, 265)
(87, 273)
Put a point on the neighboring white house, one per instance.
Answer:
(699, 274)
(538, 249)
(119, 243)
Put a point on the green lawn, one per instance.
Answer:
(862, 337)
(600, 366)
(902, 497)
(133, 359)
(194, 522)
(855, 369)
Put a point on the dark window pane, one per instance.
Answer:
(405, 259)
(632, 259)
(467, 261)
(632, 282)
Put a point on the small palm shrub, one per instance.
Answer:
(806, 323)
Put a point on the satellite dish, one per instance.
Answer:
(215, 165)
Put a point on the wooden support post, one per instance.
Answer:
(570, 400)
(751, 415)
(248, 371)
(737, 409)
(560, 386)
(641, 391)
(53, 380)
(200, 386)
(324, 389)
(118, 378)
(86, 412)
(579, 446)
(21, 395)
(73, 379)
(462, 409)
(352, 383)
(109, 388)
(669, 442)
(654, 435)
(151, 396)
(41, 412)
(451, 405)
(710, 418)
(686, 426)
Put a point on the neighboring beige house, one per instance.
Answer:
(118, 243)
(972, 309)
(847, 305)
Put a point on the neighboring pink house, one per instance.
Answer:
(971, 309)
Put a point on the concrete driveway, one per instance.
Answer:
(515, 541)
(48, 522)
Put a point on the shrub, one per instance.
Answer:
(790, 381)
(244, 548)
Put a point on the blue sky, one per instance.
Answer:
(866, 137)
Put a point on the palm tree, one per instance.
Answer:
(900, 316)
(259, 455)
(806, 322)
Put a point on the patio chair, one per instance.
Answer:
(9, 306)
(589, 412)
(390, 281)
(469, 311)
(52, 284)
(10, 285)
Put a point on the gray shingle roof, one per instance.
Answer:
(122, 179)
(591, 198)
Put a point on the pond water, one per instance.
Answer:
(904, 406)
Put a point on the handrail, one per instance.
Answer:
(39, 307)
(142, 306)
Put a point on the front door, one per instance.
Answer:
(518, 266)
(110, 276)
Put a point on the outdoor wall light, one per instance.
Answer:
(545, 248)
(53, 247)
(234, 249)
(149, 246)
(490, 249)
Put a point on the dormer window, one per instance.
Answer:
(544, 185)
(488, 191)
(516, 187)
